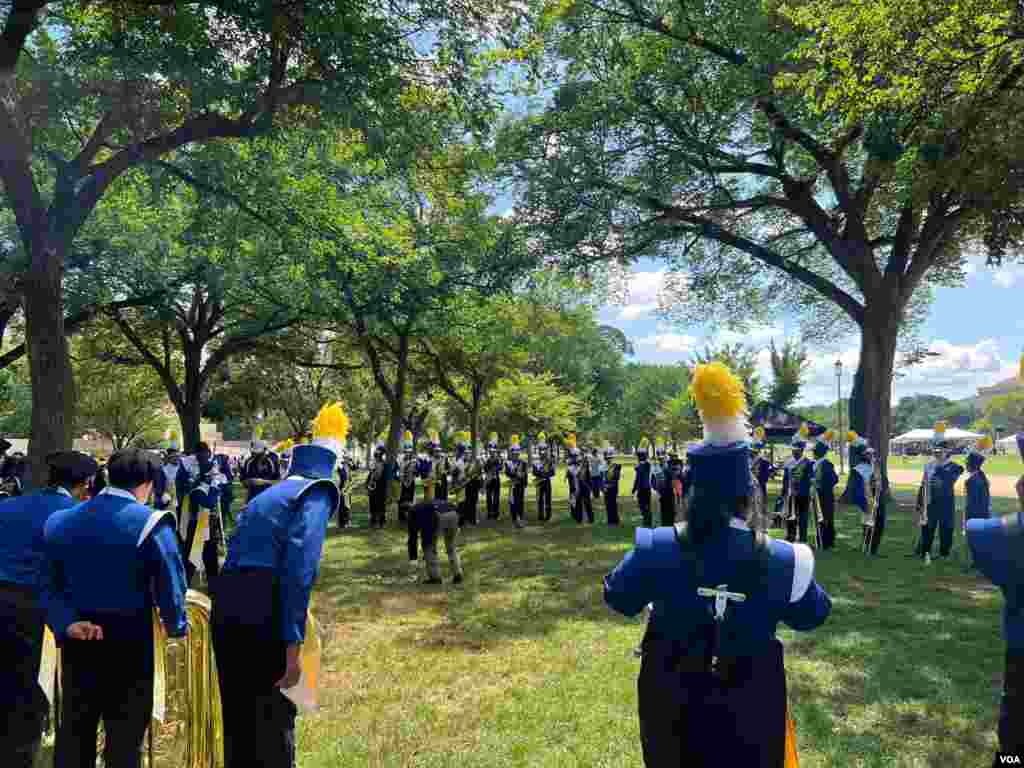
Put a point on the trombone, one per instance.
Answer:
(818, 519)
(871, 516)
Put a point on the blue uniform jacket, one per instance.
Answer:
(22, 519)
(998, 548)
(642, 478)
(799, 475)
(979, 503)
(655, 572)
(941, 498)
(110, 556)
(860, 485)
(825, 478)
(283, 530)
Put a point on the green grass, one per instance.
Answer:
(525, 666)
(1003, 464)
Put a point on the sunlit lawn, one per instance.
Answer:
(1003, 464)
(524, 666)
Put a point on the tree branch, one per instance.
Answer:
(22, 20)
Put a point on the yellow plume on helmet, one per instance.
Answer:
(940, 428)
(570, 441)
(851, 436)
(542, 438)
(985, 443)
(760, 434)
(331, 423)
(805, 431)
(462, 437)
(493, 438)
(829, 436)
(644, 443)
(258, 431)
(717, 392)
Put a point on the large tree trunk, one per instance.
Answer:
(53, 399)
(397, 401)
(474, 422)
(871, 399)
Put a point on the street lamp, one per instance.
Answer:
(839, 413)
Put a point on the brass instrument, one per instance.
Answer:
(373, 477)
(871, 515)
(409, 472)
(461, 481)
(818, 518)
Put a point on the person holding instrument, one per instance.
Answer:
(712, 686)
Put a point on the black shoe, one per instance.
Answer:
(457, 580)
(433, 581)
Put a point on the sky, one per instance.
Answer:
(977, 331)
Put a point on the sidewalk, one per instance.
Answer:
(999, 485)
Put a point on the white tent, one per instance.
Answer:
(1008, 441)
(926, 435)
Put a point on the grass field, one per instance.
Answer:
(525, 666)
(1003, 464)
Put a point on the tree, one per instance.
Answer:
(639, 412)
(674, 133)
(90, 91)
(741, 360)
(126, 406)
(678, 418)
(1007, 411)
(788, 367)
(526, 404)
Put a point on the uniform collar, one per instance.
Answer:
(62, 490)
(739, 524)
(119, 492)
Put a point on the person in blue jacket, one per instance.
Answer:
(23, 706)
(997, 547)
(166, 479)
(108, 562)
(979, 500)
(825, 481)
(941, 502)
(227, 488)
(796, 489)
(642, 482)
(712, 685)
(262, 596)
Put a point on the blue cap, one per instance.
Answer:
(721, 470)
(313, 461)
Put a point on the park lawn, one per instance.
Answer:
(525, 666)
(1003, 464)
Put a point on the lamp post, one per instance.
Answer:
(839, 414)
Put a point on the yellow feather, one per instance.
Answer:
(515, 440)
(851, 436)
(407, 436)
(717, 392)
(644, 443)
(570, 441)
(258, 431)
(759, 434)
(541, 437)
(829, 435)
(940, 428)
(985, 443)
(331, 422)
(493, 438)
(805, 431)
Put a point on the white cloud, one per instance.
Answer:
(674, 343)
(1006, 277)
(640, 294)
(755, 335)
(633, 311)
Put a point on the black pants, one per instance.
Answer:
(109, 680)
(259, 722)
(23, 706)
(828, 521)
(1011, 709)
(378, 507)
(584, 506)
(406, 498)
(691, 719)
(344, 513)
(943, 520)
(517, 502)
(643, 498)
(611, 505)
(793, 527)
(493, 499)
(211, 555)
(543, 499)
(472, 501)
(667, 505)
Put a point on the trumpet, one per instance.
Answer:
(462, 478)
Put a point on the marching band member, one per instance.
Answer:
(199, 485)
(763, 468)
(260, 471)
(260, 607)
(642, 482)
(407, 472)
(825, 481)
(543, 472)
(996, 548)
(377, 486)
(796, 489)
(23, 707)
(664, 485)
(164, 486)
(580, 483)
(712, 686)
(430, 518)
(108, 561)
(865, 489)
(344, 503)
(439, 467)
(941, 497)
(600, 471)
(979, 500)
(466, 470)
(516, 470)
(611, 486)
(492, 470)
(227, 489)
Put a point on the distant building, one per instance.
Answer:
(985, 394)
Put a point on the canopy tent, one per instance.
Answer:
(927, 435)
(779, 424)
(1008, 442)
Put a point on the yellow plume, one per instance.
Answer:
(493, 437)
(1020, 373)
(985, 443)
(173, 435)
(659, 442)
(435, 438)
(759, 434)
(514, 440)
(644, 443)
(542, 438)
(940, 428)
(462, 437)
(331, 422)
(570, 441)
(805, 431)
(829, 435)
(717, 392)
(851, 436)
(258, 431)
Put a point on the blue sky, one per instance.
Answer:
(978, 331)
